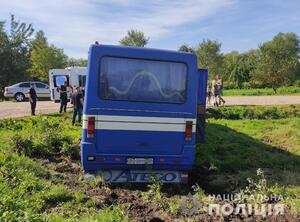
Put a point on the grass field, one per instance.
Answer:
(41, 178)
(290, 90)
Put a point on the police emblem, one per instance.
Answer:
(188, 205)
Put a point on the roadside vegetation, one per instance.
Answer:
(288, 90)
(248, 149)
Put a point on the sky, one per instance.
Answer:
(74, 25)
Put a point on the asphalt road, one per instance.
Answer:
(15, 109)
(20, 109)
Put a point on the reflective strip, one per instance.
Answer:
(142, 119)
(139, 123)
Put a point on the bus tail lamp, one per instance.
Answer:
(161, 160)
(91, 127)
(188, 130)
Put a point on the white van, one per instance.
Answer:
(75, 76)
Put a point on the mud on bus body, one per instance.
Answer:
(140, 114)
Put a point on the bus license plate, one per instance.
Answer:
(139, 161)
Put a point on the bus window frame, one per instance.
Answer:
(139, 101)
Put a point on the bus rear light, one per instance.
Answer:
(177, 161)
(161, 160)
(188, 130)
(117, 159)
(91, 127)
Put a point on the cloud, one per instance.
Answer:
(75, 24)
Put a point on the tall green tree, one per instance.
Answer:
(209, 56)
(14, 52)
(134, 38)
(239, 68)
(77, 62)
(44, 57)
(278, 61)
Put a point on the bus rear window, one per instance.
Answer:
(142, 80)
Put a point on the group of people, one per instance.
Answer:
(77, 96)
(214, 92)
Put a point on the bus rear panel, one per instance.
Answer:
(140, 114)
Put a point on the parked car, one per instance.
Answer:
(20, 90)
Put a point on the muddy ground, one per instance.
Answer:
(131, 198)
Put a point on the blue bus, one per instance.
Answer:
(143, 111)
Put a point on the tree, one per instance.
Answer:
(77, 62)
(184, 48)
(209, 56)
(278, 61)
(14, 52)
(44, 57)
(134, 38)
(238, 68)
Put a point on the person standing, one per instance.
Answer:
(77, 100)
(32, 98)
(63, 97)
(218, 88)
(208, 94)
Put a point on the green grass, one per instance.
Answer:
(235, 149)
(30, 191)
(239, 140)
(288, 90)
(253, 112)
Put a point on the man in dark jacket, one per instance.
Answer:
(32, 98)
(77, 100)
(63, 97)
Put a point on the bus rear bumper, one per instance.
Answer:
(94, 162)
(139, 176)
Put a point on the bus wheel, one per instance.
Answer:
(20, 97)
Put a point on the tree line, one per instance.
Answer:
(25, 54)
(273, 64)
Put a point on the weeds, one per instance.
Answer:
(257, 190)
(154, 194)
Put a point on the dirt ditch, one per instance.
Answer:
(130, 196)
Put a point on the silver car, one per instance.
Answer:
(20, 90)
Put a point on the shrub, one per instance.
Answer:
(72, 149)
(23, 145)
